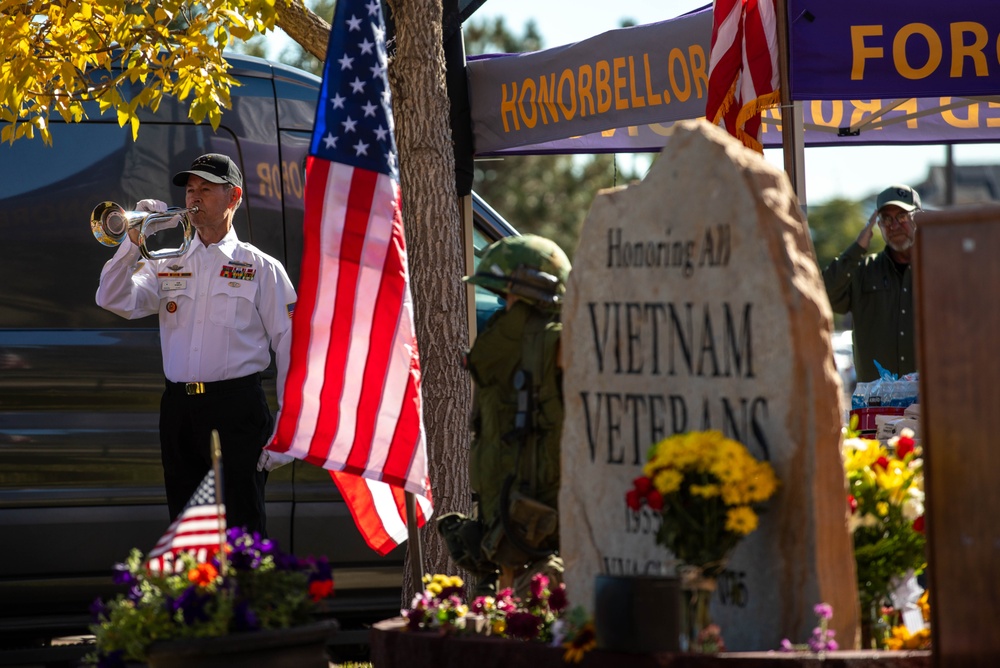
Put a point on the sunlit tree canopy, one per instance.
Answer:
(121, 54)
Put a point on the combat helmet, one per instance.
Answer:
(531, 267)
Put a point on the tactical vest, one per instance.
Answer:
(522, 338)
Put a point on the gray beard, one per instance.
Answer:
(900, 247)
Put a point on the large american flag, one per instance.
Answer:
(743, 67)
(198, 530)
(351, 401)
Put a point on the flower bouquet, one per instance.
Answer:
(255, 588)
(542, 616)
(708, 490)
(886, 500)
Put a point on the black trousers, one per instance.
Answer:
(238, 410)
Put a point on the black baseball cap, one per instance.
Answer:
(213, 167)
(905, 197)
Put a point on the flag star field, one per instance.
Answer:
(354, 118)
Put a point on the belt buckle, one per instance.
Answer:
(194, 388)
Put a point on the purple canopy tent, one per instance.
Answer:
(929, 75)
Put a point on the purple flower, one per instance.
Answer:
(98, 611)
(244, 618)
(321, 570)
(786, 645)
(192, 605)
(122, 575)
(823, 610)
(286, 562)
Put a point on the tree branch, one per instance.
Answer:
(304, 26)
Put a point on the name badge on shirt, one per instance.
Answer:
(173, 285)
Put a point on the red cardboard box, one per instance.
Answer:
(866, 416)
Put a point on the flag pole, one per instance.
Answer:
(791, 112)
(217, 468)
(416, 551)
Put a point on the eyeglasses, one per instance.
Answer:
(898, 219)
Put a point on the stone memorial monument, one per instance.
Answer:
(695, 303)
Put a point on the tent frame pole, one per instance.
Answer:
(792, 144)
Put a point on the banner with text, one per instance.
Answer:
(622, 90)
(827, 123)
(893, 49)
(633, 76)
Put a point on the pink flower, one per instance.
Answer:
(824, 610)
(539, 583)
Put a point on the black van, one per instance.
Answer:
(80, 475)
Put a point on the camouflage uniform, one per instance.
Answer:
(517, 416)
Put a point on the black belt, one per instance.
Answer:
(214, 386)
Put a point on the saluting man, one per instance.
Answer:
(221, 306)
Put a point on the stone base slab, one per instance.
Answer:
(392, 647)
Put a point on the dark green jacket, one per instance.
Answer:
(499, 352)
(880, 299)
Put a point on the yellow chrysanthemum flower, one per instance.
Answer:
(741, 520)
(705, 491)
(882, 508)
(667, 481)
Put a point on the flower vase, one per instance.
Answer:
(637, 613)
(697, 631)
(874, 628)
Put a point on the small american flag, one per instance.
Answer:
(196, 530)
(351, 402)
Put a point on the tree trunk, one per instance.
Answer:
(435, 242)
(310, 31)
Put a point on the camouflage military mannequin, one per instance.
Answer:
(517, 418)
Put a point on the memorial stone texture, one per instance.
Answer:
(695, 302)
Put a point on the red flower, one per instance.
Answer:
(633, 500)
(918, 524)
(883, 462)
(853, 503)
(320, 589)
(904, 446)
(643, 485)
(655, 500)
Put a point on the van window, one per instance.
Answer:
(47, 194)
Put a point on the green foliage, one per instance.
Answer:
(835, 225)
(57, 56)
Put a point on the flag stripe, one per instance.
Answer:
(743, 66)
(375, 392)
(303, 334)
